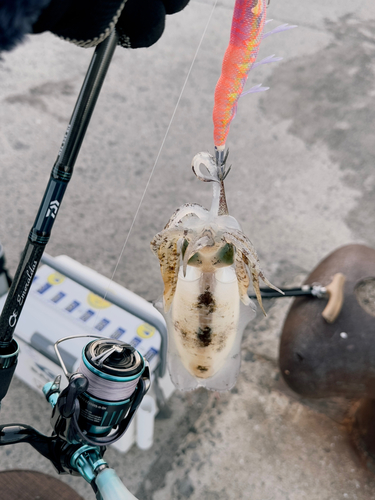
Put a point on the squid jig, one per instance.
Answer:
(206, 261)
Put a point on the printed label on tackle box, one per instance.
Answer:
(91, 312)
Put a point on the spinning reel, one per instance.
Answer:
(98, 405)
(92, 412)
(101, 398)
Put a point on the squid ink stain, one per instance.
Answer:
(206, 300)
(202, 368)
(204, 336)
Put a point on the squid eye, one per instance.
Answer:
(226, 254)
(195, 260)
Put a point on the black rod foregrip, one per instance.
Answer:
(54, 193)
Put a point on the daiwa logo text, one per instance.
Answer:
(52, 209)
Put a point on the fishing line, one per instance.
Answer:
(110, 390)
(161, 147)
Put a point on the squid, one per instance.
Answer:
(206, 263)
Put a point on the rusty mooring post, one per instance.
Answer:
(322, 360)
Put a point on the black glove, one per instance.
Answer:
(142, 22)
(16, 20)
(139, 23)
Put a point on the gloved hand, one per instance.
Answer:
(139, 23)
(142, 22)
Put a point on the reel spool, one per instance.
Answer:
(102, 396)
(112, 369)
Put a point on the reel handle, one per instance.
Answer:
(111, 487)
(78, 384)
(335, 292)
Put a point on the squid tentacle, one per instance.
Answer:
(255, 281)
(173, 234)
(189, 209)
(169, 267)
(217, 171)
(241, 241)
(263, 277)
(204, 158)
(165, 246)
(245, 246)
(242, 278)
(249, 256)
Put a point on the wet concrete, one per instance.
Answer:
(301, 185)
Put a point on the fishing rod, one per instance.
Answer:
(102, 396)
(40, 232)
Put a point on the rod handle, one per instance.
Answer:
(335, 292)
(111, 487)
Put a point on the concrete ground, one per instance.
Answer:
(301, 185)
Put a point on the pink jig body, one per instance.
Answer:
(249, 18)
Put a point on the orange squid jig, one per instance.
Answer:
(206, 261)
(249, 18)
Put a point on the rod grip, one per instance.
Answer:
(335, 292)
(111, 487)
